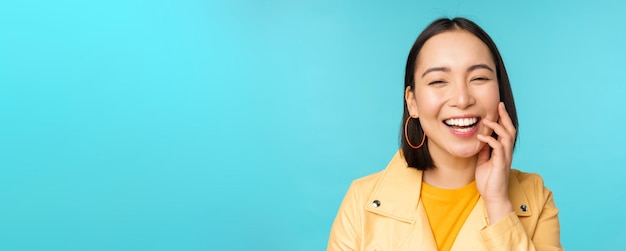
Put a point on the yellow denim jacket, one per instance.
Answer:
(383, 211)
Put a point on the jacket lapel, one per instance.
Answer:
(398, 192)
(517, 195)
(469, 237)
(421, 237)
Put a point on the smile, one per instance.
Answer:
(462, 126)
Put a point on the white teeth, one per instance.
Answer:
(461, 122)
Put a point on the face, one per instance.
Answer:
(456, 87)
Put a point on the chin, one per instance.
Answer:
(466, 152)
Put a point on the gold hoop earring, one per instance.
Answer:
(406, 135)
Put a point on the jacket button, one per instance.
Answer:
(376, 203)
(524, 208)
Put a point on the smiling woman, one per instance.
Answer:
(455, 189)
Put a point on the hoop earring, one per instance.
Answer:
(406, 135)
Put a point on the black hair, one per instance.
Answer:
(420, 158)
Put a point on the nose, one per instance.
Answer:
(462, 96)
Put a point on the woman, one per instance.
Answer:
(451, 186)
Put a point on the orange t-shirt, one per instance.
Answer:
(447, 211)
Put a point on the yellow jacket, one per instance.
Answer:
(383, 212)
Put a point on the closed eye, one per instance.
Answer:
(480, 79)
(436, 82)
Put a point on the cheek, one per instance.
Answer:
(491, 100)
(429, 103)
(493, 103)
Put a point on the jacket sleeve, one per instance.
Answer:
(510, 234)
(345, 233)
(547, 235)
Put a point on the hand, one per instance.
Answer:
(492, 172)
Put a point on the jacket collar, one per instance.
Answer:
(398, 193)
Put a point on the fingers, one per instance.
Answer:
(498, 154)
(499, 129)
(505, 125)
(495, 144)
(483, 155)
(505, 119)
(503, 134)
(504, 128)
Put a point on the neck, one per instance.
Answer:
(450, 172)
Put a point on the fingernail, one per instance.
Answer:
(503, 106)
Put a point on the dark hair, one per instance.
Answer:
(420, 158)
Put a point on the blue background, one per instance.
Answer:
(238, 125)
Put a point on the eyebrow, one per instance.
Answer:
(446, 69)
(479, 66)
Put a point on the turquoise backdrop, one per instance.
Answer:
(239, 125)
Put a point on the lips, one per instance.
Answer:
(462, 126)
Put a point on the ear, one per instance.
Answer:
(411, 102)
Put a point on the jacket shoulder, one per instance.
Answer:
(367, 183)
(532, 185)
(539, 214)
(527, 179)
